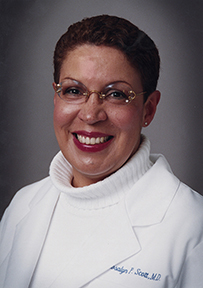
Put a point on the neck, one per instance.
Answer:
(103, 193)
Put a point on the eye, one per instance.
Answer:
(116, 95)
(72, 91)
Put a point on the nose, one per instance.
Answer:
(92, 111)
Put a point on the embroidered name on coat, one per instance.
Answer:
(137, 272)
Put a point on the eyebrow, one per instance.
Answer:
(110, 83)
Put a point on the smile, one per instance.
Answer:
(93, 140)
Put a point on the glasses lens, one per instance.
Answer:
(73, 91)
(117, 93)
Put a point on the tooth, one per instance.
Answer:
(87, 140)
(92, 141)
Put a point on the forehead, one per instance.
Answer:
(96, 51)
(97, 55)
(90, 62)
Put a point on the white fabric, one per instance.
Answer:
(103, 193)
(148, 234)
(80, 210)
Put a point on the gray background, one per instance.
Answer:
(29, 31)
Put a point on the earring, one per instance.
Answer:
(145, 123)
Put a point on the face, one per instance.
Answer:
(115, 129)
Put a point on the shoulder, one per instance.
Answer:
(185, 200)
(185, 209)
(159, 193)
(27, 193)
(22, 199)
(184, 195)
(189, 206)
(23, 208)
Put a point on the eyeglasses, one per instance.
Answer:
(74, 92)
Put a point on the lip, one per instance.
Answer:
(91, 148)
(91, 134)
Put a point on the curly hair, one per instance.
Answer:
(116, 32)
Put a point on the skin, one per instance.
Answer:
(96, 67)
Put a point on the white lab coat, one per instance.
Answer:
(154, 238)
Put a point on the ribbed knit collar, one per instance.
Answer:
(106, 192)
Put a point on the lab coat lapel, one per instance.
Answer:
(29, 238)
(149, 200)
(113, 241)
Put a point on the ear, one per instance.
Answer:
(150, 107)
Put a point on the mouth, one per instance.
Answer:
(91, 142)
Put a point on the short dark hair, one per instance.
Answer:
(116, 32)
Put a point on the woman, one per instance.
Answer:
(109, 214)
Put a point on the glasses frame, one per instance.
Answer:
(132, 95)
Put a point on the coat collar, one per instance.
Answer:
(150, 198)
(120, 244)
(23, 258)
(15, 215)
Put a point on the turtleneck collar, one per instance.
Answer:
(106, 192)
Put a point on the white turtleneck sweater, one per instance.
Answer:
(113, 233)
(80, 210)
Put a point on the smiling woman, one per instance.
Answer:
(118, 126)
(110, 214)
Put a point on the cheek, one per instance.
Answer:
(59, 116)
(128, 119)
(63, 114)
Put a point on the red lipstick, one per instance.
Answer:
(103, 139)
